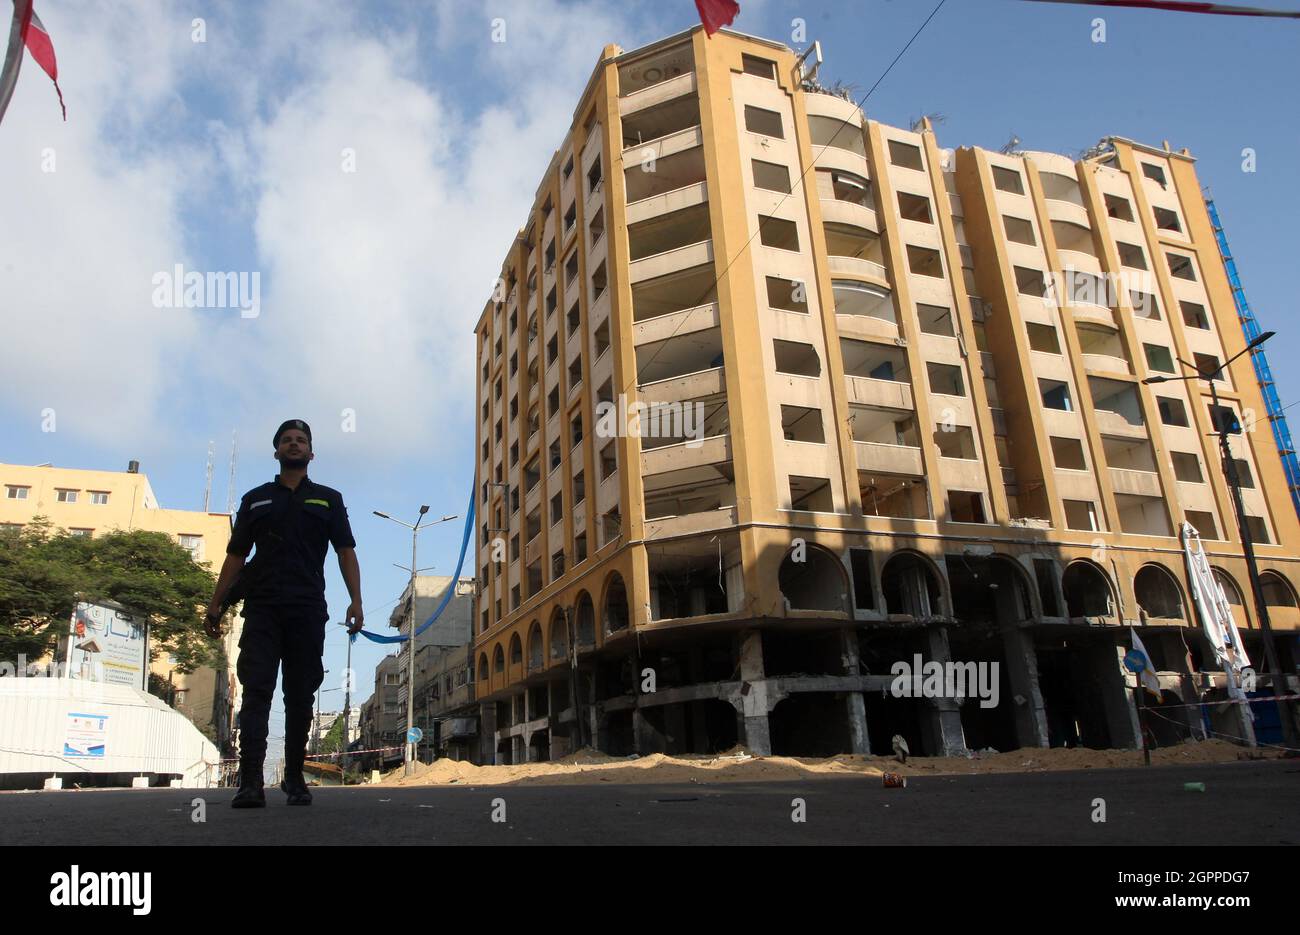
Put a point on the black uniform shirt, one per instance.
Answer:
(292, 530)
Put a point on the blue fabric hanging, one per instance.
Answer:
(446, 598)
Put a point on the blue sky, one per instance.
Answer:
(228, 155)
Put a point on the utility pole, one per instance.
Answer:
(347, 714)
(409, 747)
(1229, 466)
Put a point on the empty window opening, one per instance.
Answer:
(1008, 180)
(966, 506)
(955, 441)
(1158, 593)
(914, 208)
(778, 232)
(764, 122)
(1119, 208)
(1187, 467)
(1067, 454)
(1180, 266)
(1019, 230)
(1043, 338)
(935, 319)
(1086, 590)
(910, 587)
(788, 294)
(905, 155)
(945, 379)
(771, 176)
(812, 494)
(802, 424)
(923, 261)
(1167, 220)
(797, 358)
(1194, 315)
(814, 582)
(1081, 514)
(1131, 255)
(860, 298)
(1055, 395)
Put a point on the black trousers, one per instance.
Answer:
(275, 635)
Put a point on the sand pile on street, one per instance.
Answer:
(738, 765)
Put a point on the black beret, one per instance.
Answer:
(291, 424)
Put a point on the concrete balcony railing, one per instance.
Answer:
(1074, 259)
(687, 196)
(828, 105)
(888, 459)
(884, 393)
(721, 518)
(674, 324)
(533, 550)
(1068, 211)
(1138, 483)
(687, 386)
(664, 146)
(671, 261)
(1092, 314)
(836, 210)
(657, 94)
(715, 450)
(856, 266)
(1112, 423)
(1105, 363)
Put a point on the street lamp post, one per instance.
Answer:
(1229, 466)
(410, 631)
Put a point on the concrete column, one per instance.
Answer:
(674, 727)
(646, 738)
(487, 733)
(855, 704)
(754, 731)
(1022, 672)
(1107, 661)
(945, 735)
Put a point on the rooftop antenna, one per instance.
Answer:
(207, 480)
(230, 487)
(815, 50)
(1010, 147)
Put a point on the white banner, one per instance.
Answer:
(1216, 614)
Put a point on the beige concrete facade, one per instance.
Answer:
(922, 428)
(96, 502)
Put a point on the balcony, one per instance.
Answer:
(670, 243)
(688, 196)
(684, 322)
(653, 94)
(1112, 423)
(854, 266)
(684, 289)
(709, 382)
(659, 129)
(887, 394)
(1136, 483)
(1105, 363)
(687, 454)
(855, 251)
(891, 459)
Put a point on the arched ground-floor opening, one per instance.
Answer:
(810, 724)
(1082, 689)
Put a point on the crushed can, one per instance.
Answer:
(895, 781)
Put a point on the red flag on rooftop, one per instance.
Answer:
(715, 14)
(37, 40)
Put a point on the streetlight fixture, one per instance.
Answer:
(1229, 466)
(410, 631)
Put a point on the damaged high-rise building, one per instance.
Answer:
(774, 398)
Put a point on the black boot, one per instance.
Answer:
(250, 794)
(295, 787)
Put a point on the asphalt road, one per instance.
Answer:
(1244, 803)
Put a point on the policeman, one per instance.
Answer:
(290, 520)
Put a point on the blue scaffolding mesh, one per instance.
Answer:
(1276, 418)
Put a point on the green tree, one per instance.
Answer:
(43, 573)
(333, 741)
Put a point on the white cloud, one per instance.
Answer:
(371, 281)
